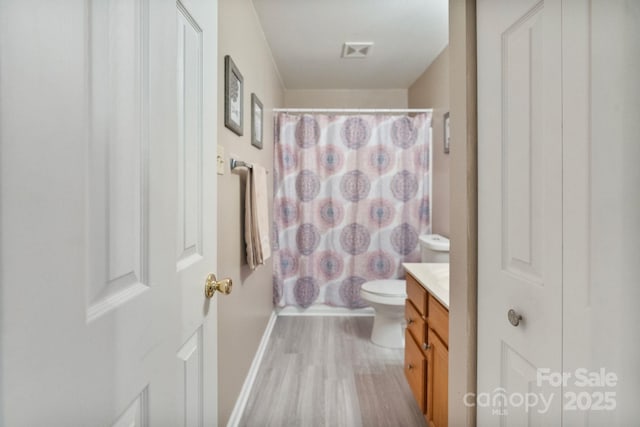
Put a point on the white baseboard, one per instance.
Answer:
(243, 397)
(325, 310)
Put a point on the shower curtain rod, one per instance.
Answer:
(353, 110)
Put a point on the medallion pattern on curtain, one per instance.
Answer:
(351, 198)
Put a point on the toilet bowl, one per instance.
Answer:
(387, 297)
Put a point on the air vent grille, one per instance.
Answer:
(356, 49)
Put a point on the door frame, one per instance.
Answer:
(463, 215)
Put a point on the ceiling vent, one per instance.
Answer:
(356, 49)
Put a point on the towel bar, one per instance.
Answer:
(233, 163)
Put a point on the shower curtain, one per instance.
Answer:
(351, 198)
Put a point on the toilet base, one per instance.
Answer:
(388, 326)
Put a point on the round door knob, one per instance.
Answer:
(514, 318)
(212, 285)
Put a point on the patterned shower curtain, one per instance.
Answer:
(351, 198)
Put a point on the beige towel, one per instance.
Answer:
(248, 221)
(260, 213)
(257, 234)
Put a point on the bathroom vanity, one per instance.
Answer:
(427, 338)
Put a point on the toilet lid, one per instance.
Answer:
(387, 288)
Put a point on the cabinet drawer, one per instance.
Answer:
(417, 294)
(415, 369)
(439, 319)
(415, 322)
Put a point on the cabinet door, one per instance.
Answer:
(437, 382)
(415, 369)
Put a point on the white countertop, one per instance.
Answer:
(434, 277)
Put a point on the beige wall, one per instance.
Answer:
(463, 215)
(344, 98)
(242, 315)
(431, 90)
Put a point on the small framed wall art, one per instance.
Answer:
(233, 96)
(256, 121)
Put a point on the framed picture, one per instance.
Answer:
(233, 96)
(256, 121)
(447, 133)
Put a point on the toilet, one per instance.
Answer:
(387, 297)
(434, 248)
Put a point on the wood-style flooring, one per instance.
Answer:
(324, 371)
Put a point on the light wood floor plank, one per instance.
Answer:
(324, 371)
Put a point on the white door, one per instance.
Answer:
(196, 248)
(95, 329)
(601, 62)
(519, 210)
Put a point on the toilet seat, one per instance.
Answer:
(390, 292)
(386, 288)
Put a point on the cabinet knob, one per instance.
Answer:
(426, 346)
(409, 321)
(410, 367)
(514, 318)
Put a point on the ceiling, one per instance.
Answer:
(307, 36)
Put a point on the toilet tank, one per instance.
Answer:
(434, 248)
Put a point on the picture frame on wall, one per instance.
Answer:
(256, 121)
(233, 96)
(447, 133)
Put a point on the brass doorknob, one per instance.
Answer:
(212, 285)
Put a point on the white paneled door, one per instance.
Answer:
(520, 211)
(107, 212)
(196, 245)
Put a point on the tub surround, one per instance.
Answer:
(434, 277)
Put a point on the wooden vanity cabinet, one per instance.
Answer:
(427, 352)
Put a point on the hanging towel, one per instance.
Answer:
(260, 214)
(248, 221)
(256, 223)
